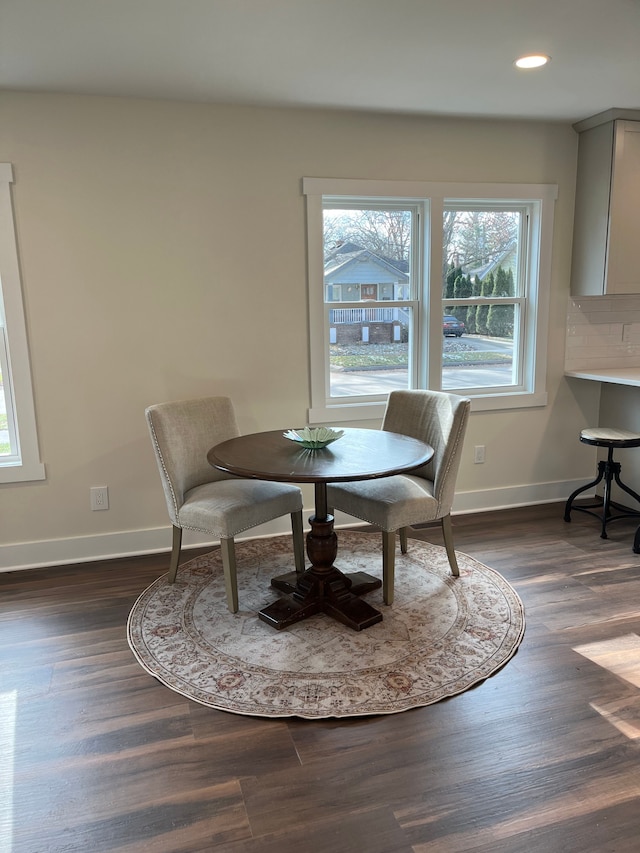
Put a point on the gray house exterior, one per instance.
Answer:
(353, 274)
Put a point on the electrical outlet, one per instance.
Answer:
(478, 453)
(99, 497)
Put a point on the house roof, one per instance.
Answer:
(338, 262)
(483, 271)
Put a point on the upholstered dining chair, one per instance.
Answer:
(201, 498)
(395, 503)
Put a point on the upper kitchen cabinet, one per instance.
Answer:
(606, 234)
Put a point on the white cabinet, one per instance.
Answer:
(606, 236)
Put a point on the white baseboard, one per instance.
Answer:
(510, 497)
(129, 543)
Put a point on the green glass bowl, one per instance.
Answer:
(314, 439)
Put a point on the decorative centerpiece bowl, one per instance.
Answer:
(314, 439)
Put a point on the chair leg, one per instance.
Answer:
(404, 540)
(228, 550)
(447, 531)
(388, 564)
(298, 541)
(175, 553)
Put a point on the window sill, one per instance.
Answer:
(22, 473)
(501, 402)
(344, 412)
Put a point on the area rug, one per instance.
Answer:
(441, 635)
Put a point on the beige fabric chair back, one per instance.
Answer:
(441, 420)
(182, 433)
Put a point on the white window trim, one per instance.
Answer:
(26, 464)
(435, 194)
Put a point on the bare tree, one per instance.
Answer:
(476, 238)
(471, 238)
(385, 232)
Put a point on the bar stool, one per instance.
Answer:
(608, 470)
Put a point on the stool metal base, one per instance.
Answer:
(608, 470)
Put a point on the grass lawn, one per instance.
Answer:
(455, 352)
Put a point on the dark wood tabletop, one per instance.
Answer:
(361, 454)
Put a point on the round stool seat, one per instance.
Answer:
(605, 437)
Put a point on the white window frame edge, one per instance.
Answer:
(537, 320)
(28, 466)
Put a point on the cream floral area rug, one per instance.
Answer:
(441, 635)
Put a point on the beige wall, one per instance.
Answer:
(159, 241)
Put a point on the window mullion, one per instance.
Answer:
(434, 264)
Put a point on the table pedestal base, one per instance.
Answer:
(323, 588)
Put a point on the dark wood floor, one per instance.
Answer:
(96, 755)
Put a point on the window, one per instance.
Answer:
(421, 285)
(19, 457)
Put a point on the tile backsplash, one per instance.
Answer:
(603, 331)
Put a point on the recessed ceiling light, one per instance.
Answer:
(533, 60)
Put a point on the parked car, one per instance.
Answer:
(452, 326)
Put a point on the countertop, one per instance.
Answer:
(615, 375)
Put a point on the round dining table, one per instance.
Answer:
(359, 454)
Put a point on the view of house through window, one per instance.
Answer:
(368, 259)
(426, 285)
(369, 293)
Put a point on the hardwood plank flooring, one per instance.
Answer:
(95, 755)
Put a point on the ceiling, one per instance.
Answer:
(427, 57)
